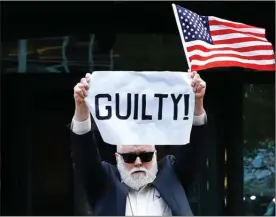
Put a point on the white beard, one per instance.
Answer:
(137, 180)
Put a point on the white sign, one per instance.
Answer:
(142, 108)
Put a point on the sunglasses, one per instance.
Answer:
(131, 157)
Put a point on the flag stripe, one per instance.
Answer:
(233, 59)
(234, 64)
(240, 49)
(260, 32)
(236, 45)
(231, 52)
(254, 58)
(229, 31)
(218, 21)
(218, 38)
(234, 41)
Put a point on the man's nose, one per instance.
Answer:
(138, 162)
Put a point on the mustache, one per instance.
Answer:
(140, 169)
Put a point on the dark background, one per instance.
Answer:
(37, 175)
(31, 19)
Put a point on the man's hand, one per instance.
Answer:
(199, 87)
(80, 92)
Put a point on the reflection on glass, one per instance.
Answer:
(259, 151)
(71, 54)
(56, 55)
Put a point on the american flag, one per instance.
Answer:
(211, 42)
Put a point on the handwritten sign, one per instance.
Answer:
(141, 108)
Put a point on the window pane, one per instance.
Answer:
(85, 53)
(259, 149)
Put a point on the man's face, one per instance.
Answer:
(137, 165)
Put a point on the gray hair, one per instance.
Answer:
(119, 147)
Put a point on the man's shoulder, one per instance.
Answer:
(166, 168)
(108, 166)
(166, 160)
(110, 169)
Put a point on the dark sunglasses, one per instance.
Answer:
(131, 157)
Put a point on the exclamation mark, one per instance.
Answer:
(186, 105)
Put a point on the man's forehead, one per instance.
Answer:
(136, 148)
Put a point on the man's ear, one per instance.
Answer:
(116, 156)
(155, 153)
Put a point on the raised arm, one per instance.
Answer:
(85, 155)
(189, 158)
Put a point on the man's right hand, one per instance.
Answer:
(80, 92)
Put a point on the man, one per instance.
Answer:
(138, 185)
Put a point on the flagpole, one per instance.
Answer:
(181, 34)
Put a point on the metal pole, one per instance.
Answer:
(22, 56)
